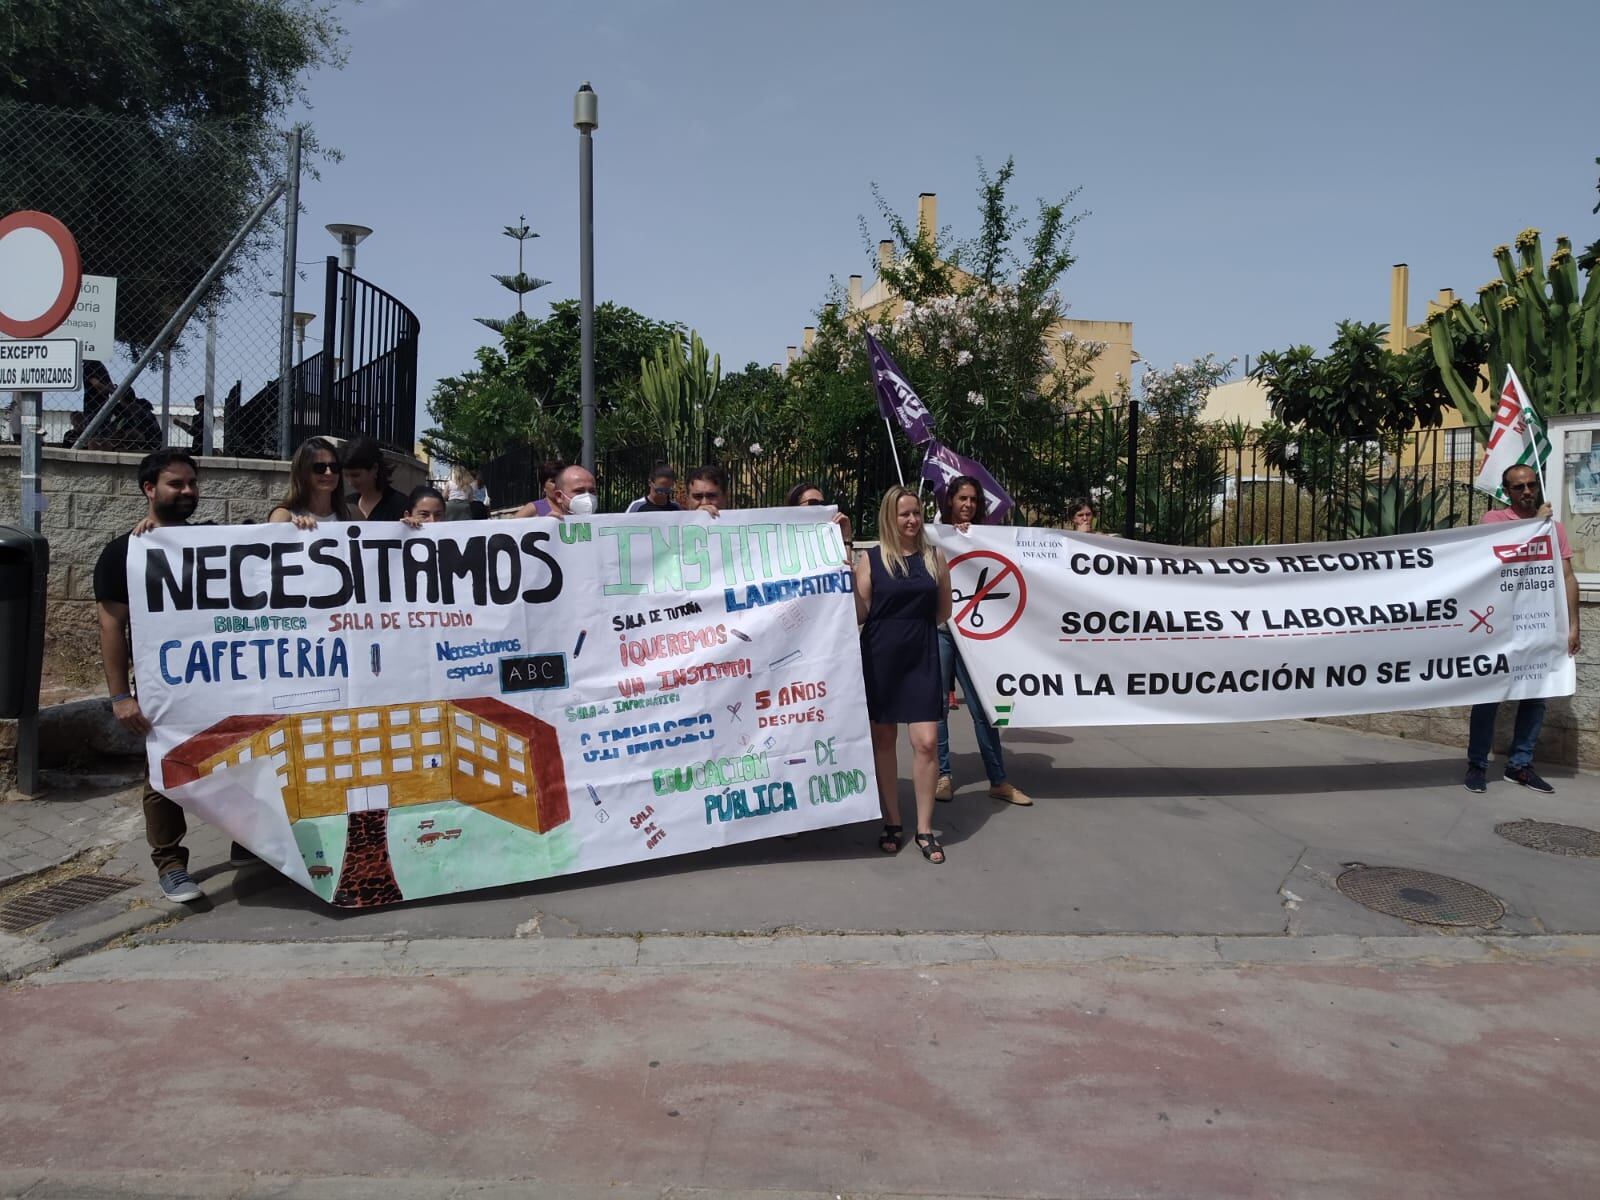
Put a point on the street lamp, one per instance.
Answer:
(586, 119)
(348, 237)
(301, 320)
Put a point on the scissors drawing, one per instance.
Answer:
(979, 596)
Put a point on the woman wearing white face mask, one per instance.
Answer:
(576, 494)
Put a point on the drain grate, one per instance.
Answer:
(58, 898)
(1572, 840)
(1420, 896)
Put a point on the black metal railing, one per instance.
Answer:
(364, 379)
(1209, 490)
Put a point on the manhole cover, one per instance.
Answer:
(58, 898)
(1420, 896)
(1572, 840)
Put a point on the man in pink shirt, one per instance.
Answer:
(1522, 485)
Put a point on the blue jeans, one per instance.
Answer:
(951, 668)
(1524, 734)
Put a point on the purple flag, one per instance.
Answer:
(943, 464)
(897, 400)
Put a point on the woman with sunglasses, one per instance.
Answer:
(316, 487)
(809, 495)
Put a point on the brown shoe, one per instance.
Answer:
(1010, 794)
(945, 789)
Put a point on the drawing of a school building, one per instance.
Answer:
(364, 761)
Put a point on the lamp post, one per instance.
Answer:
(348, 237)
(586, 119)
(301, 320)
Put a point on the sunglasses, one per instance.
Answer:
(1522, 487)
(326, 469)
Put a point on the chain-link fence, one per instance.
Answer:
(152, 207)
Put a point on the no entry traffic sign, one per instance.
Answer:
(40, 273)
(996, 601)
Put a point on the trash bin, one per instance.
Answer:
(24, 563)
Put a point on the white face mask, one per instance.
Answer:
(584, 504)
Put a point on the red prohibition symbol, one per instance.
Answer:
(44, 314)
(1000, 587)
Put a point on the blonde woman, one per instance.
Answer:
(902, 597)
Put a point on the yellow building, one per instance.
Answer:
(479, 752)
(1111, 371)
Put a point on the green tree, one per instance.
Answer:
(1181, 457)
(154, 196)
(519, 284)
(525, 391)
(1358, 390)
(975, 333)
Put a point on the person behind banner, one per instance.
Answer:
(575, 494)
(1521, 484)
(962, 507)
(708, 490)
(809, 495)
(657, 496)
(170, 481)
(372, 497)
(1081, 515)
(316, 491)
(424, 506)
(902, 597)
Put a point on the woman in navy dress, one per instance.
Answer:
(902, 597)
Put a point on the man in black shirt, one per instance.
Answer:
(170, 483)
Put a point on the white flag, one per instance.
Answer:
(1518, 439)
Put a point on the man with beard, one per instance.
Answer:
(170, 483)
(1521, 485)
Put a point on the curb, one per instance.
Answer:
(454, 957)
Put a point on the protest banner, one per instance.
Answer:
(386, 713)
(1060, 628)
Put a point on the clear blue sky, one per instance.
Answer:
(1252, 170)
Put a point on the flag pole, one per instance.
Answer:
(1534, 427)
(894, 450)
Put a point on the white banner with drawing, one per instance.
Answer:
(385, 713)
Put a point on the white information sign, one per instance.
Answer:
(93, 319)
(41, 365)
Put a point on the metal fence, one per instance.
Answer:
(1207, 492)
(152, 210)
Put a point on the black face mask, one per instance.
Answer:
(176, 511)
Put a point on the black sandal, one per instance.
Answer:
(890, 841)
(929, 845)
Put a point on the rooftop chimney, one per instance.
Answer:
(789, 354)
(1399, 329)
(885, 253)
(807, 336)
(854, 293)
(927, 215)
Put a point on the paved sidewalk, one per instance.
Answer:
(808, 1065)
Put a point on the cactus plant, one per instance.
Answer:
(679, 393)
(1539, 319)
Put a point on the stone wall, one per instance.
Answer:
(1571, 734)
(93, 496)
